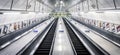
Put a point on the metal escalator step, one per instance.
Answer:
(43, 50)
(83, 53)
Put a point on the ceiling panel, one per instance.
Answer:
(5, 4)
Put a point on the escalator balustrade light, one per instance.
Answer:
(35, 30)
(61, 30)
(87, 31)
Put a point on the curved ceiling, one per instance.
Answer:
(66, 2)
(53, 2)
(21, 4)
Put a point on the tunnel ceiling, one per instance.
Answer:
(21, 4)
(66, 2)
(53, 2)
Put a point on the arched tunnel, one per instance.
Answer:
(59, 27)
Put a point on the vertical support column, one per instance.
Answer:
(34, 5)
(97, 4)
(27, 5)
(82, 7)
(88, 5)
(115, 4)
(76, 8)
(11, 5)
(39, 6)
(41, 10)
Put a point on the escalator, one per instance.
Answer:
(45, 46)
(11, 36)
(112, 36)
(78, 45)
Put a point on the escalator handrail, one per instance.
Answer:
(13, 39)
(53, 41)
(96, 45)
(112, 37)
(43, 34)
(75, 53)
